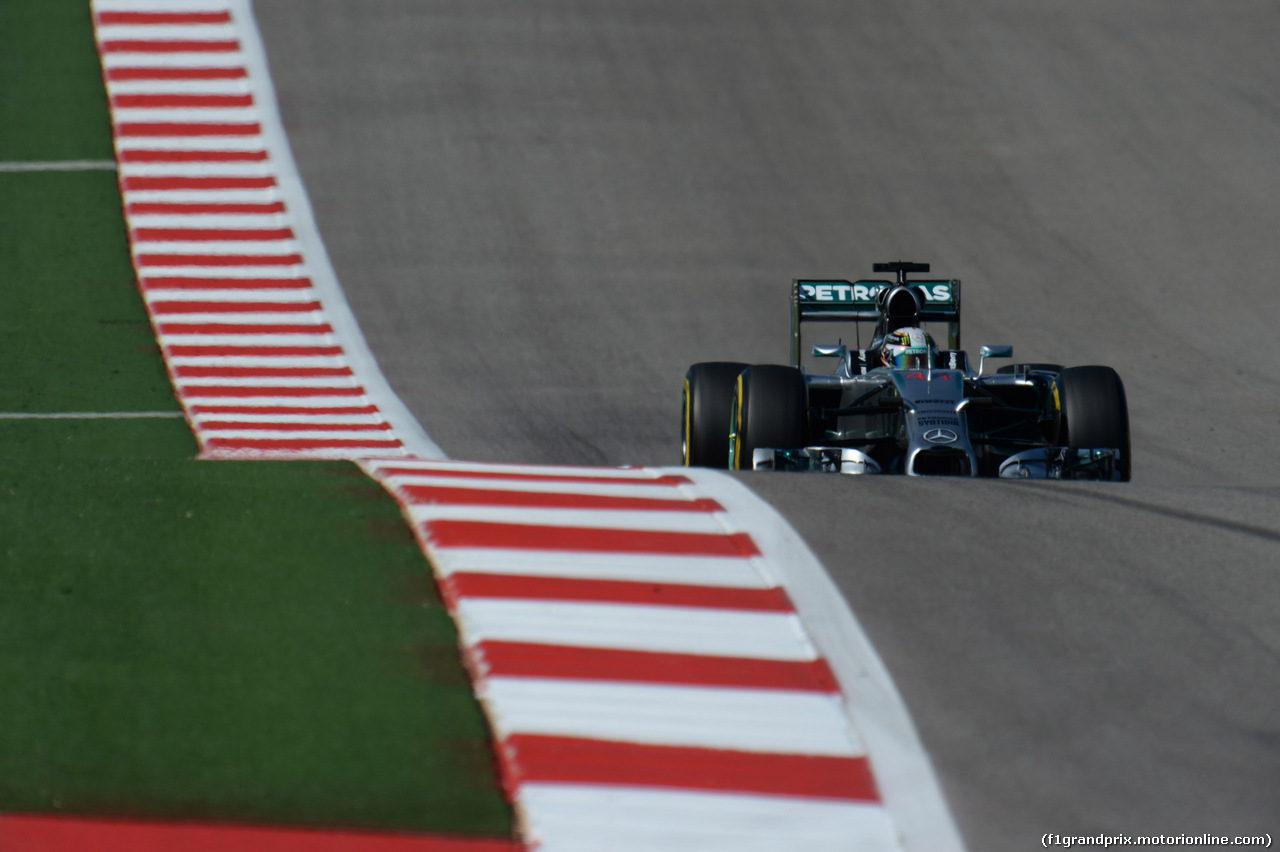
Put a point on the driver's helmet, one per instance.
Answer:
(908, 348)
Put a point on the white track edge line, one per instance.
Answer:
(323, 277)
(902, 768)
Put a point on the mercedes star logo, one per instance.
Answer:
(941, 436)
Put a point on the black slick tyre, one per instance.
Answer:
(769, 409)
(1094, 412)
(708, 396)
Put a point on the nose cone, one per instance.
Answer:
(937, 431)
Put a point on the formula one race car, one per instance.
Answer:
(902, 405)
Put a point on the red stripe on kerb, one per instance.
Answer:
(234, 307)
(219, 259)
(135, 18)
(242, 328)
(161, 282)
(171, 46)
(146, 155)
(521, 659)
(177, 101)
(452, 533)
(140, 184)
(137, 208)
(532, 757)
(518, 476)
(169, 128)
(123, 74)
(40, 833)
(207, 391)
(428, 494)
(254, 426)
(468, 585)
(299, 444)
(251, 351)
(211, 234)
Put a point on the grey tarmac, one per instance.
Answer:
(542, 213)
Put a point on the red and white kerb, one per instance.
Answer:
(649, 684)
(254, 358)
(633, 633)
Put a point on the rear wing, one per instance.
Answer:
(835, 300)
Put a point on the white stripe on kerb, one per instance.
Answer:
(636, 627)
(266, 420)
(239, 248)
(602, 488)
(656, 521)
(319, 361)
(167, 32)
(210, 220)
(730, 572)
(588, 818)
(330, 383)
(185, 115)
(158, 6)
(191, 143)
(364, 437)
(231, 169)
(230, 297)
(196, 59)
(761, 720)
(234, 86)
(260, 402)
(59, 166)
(447, 467)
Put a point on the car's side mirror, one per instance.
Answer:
(993, 350)
(829, 350)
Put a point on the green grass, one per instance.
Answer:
(74, 335)
(245, 641)
(73, 332)
(52, 104)
(232, 641)
(54, 443)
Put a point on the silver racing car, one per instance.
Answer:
(903, 405)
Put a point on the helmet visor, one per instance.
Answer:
(908, 359)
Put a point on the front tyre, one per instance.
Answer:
(708, 395)
(769, 409)
(1094, 412)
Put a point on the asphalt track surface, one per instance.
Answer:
(542, 213)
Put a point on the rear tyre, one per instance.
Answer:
(769, 409)
(1094, 412)
(708, 396)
